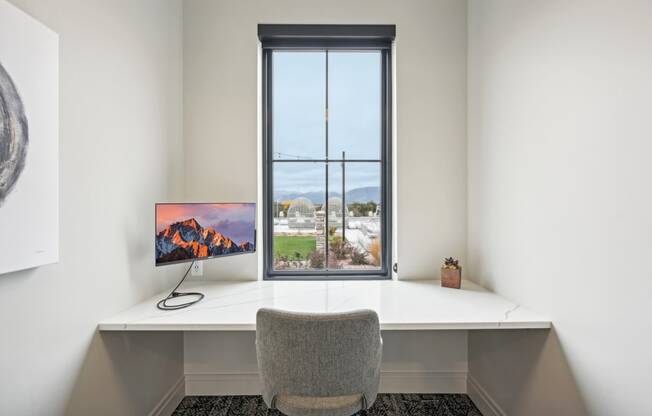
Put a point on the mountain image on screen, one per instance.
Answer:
(187, 239)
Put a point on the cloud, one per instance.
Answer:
(205, 214)
(311, 177)
(238, 231)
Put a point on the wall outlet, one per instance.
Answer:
(197, 269)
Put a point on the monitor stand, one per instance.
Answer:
(163, 305)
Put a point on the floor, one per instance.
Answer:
(385, 405)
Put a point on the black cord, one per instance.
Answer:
(162, 305)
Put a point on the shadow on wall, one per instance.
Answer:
(127, 373)
(525, 372)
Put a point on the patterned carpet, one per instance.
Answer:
(385, 405)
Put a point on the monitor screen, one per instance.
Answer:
(187, 232)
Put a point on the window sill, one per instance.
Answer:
(320, 278)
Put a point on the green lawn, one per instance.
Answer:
(286, 245)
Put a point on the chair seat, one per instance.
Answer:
(319, 406)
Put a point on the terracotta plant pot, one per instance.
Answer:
(451, 278)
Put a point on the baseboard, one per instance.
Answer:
(423, 382)
(171, 399)
(222, 384)
(483, 401)
(217, 384)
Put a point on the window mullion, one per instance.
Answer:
(327, 227)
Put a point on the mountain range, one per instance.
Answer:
(364, 194)
(189, 240)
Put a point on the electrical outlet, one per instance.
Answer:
(197, 269)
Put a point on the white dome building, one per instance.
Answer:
(335, 211)
(301, 213)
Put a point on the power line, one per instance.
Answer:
(279, 155)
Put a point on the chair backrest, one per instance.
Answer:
(318, 355)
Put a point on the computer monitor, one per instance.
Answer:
(198, 231)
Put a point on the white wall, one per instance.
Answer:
(121, 150)
(225, 362)
(220, 114)
(560, 138)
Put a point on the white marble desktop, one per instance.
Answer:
(401, 305)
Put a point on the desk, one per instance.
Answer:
(401, 305)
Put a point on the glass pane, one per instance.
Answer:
(299, 230)
(354, 232)
(299, 105)
(337, 247)
(354, 104)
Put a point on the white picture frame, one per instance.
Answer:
(29, 166)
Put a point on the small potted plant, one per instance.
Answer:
(451, 273)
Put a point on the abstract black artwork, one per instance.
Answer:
(14, 137)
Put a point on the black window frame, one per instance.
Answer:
(325, 38)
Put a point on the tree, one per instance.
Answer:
(362, 209)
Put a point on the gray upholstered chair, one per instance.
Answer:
(318, 364)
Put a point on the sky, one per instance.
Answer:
(311, 177)
(354, 125)
(236, 221)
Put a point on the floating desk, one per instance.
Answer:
(401, 305)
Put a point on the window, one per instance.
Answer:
(327, 144)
